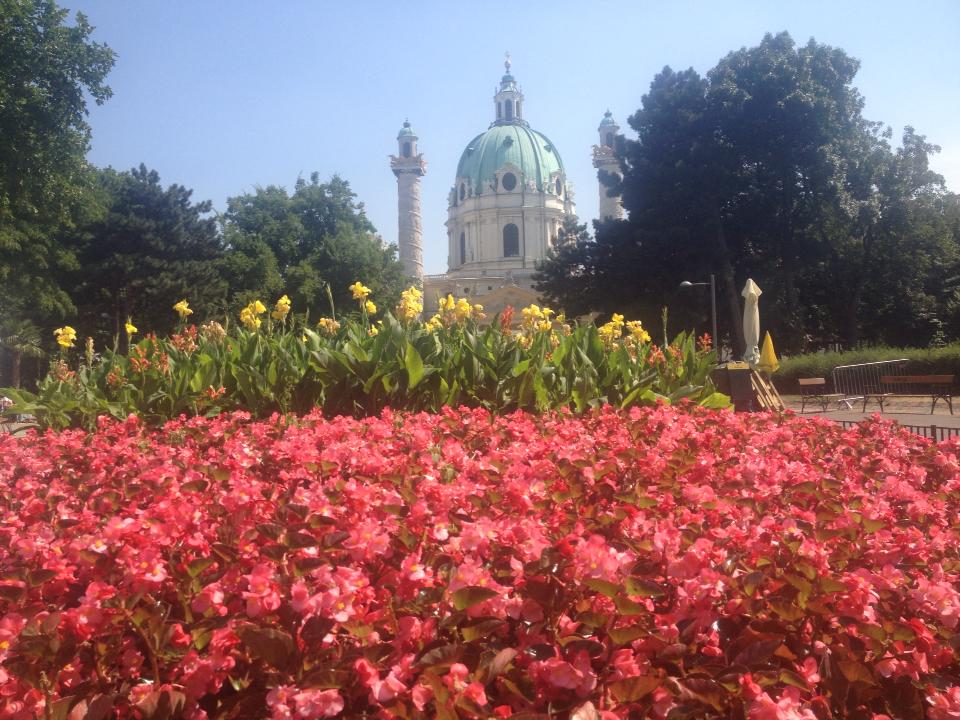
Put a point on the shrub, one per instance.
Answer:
(922, 361)
(279, 364)
(661, 562)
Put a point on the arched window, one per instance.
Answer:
(511, 240)
(406, 149)
(463, 248)
(499, 110)
(509, 181)
(463, 191)
(509, 109)
(609, 140)
(559, 187)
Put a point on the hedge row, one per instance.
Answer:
(942, 360)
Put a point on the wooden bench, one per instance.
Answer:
(938, 387)
(812, 390)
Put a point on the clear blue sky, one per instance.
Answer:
(224, 96)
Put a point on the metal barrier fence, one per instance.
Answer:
(864, 379)
(934, 432)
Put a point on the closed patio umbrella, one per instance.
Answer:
(768, 358)
(751, 322)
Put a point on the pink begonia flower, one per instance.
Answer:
(278, 701)
(577, 676)
(809, 671)
(261, 595)
(624, 664)
(381, 690)
(944, 705)
(179, 638)
(663, 703)
(456, 681)
(318, 703)
(937, 599)
(210, 598)
(788, 707)
(421, 695)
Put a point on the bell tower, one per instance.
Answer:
(409, 166)
(508, 100)
(605, 159)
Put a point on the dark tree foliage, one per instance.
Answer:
(152, 247)
(766, 168)
(48, 70)
(302, 244)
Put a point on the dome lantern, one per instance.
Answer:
(608, 130)
(508, 100)
(407, 141)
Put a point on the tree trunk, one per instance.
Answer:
(15, 358)
(729, 284)
(851, 315)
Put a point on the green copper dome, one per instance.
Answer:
(406, 130)
(515, 144)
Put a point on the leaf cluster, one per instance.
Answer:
(292, 367)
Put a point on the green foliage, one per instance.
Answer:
(922, 361)
(307, 244)
(47, 70)
(287, 366)
(151, 247)
(766, 168)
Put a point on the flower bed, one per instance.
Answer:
(661, 561)
(361, 366)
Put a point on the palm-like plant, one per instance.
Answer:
(21, 339)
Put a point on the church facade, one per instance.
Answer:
(504, 211)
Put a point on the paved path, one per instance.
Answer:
(906, 411)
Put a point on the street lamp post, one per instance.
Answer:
(713, 303)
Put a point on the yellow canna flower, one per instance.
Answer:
(411, 304)
(66, 336)
(463, 309)
(612, 331)
(281, 309)
(637, 332)
(249, 316)
(433, 324)
(373, 332)
(130, 327)
(369, 307)
(329, 326)
(359, 290)
(183, 309)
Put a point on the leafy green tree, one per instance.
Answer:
(563, 277)
(314, 242)
(766, 168)
(48, 69)
(152, 247)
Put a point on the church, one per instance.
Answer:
(504, 210)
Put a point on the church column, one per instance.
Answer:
(604, 158)
(409, 167)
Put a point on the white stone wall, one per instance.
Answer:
(537, 215)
